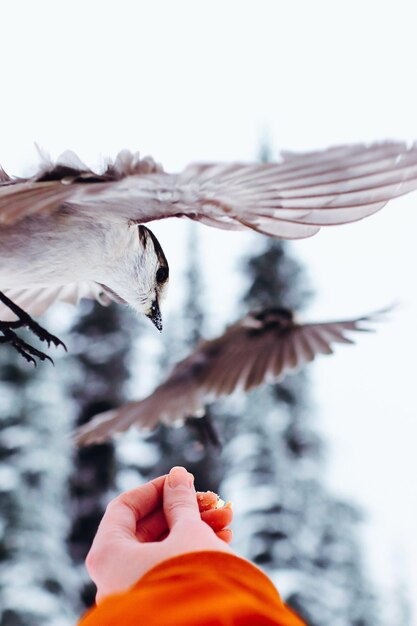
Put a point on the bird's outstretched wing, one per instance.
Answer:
(262, 347)
(289, 199)
(37, 300)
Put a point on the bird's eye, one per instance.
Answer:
(162, 275)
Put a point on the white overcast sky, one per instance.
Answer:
(185, 81)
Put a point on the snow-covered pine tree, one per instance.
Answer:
(285, 520)
(101, 341)
(37, 581)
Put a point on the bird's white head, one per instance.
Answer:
(138, 273)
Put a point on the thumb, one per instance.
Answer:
(180, 499)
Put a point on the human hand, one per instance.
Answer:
(151, 524)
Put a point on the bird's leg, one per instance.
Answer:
(28, 352)
(206, 430)
(24, 320)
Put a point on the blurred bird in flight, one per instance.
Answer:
(263, 347)
(68, 233)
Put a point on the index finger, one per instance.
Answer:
(123, 512)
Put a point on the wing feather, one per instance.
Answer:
(20, 200)
(277, 361)
(316, 341)
(303, 348)
(37, 300)
(257, 369)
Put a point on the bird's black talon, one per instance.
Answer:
(44, 335)
(26, 356)
(19, 348)
(27, 351)
(24, 320)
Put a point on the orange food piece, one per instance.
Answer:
(208, 500)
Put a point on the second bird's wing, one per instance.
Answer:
(289, 199)
(260, 348)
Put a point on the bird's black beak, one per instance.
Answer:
(155, 315)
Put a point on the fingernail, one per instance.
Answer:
(179, 476)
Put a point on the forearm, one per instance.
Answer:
(197, 588)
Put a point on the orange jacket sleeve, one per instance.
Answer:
(198, 588)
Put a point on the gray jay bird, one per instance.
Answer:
(68, 233)
(262, 347)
